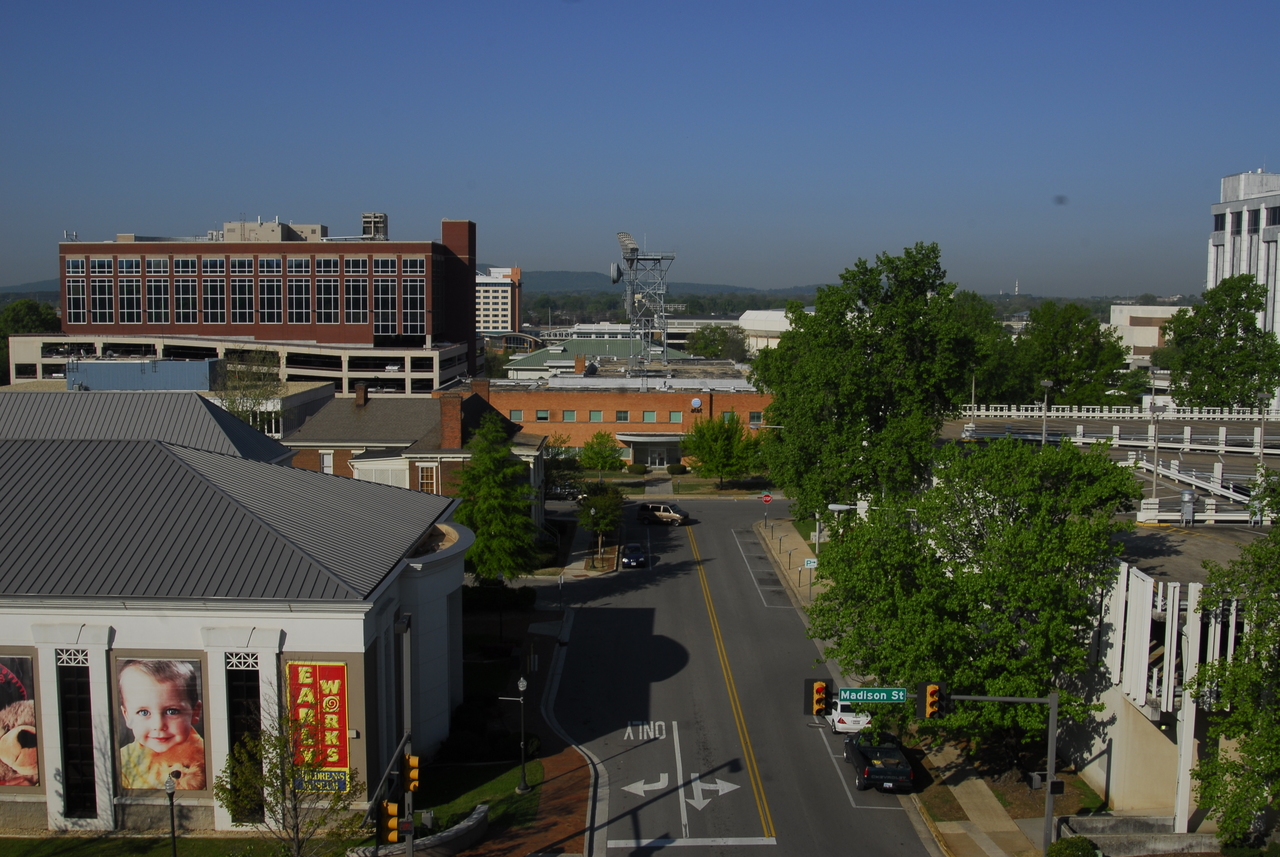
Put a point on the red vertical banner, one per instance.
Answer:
(318, 708)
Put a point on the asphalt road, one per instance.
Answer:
(685, 680)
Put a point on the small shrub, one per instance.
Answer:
(1073, 846)
(1240, 851)
(677, 469)
(638, 469)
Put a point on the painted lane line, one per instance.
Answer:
(739, 719)
(751, 572)
(684, 813)
(669, 843)
(640, 786)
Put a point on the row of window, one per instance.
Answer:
(517, 416)
(208, 304)
(97, 267)
(1255, 220)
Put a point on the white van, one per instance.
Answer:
(844, 719)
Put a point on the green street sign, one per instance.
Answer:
(873, 694)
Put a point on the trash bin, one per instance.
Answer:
(1188, 508)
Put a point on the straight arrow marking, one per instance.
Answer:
(640, 786)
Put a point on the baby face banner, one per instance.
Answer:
(318, 710)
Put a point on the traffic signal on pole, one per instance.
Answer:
(411, 773)
(932, 700)
(389, 823)
(819, 697)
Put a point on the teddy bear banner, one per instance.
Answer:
(19, 757)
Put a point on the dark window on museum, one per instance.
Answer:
(1219, 222)
(79, 786)
(1273, 216)
(1255, 221)
(244, 709)
(1237, 220)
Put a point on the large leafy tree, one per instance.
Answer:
(600, 511)
(997, 374)
(495, 493)
(23, 316)
(249, 386)
(1239, 770)
(1068, 345)
(713, 341)
(990, 579)
(721, 447)
(601, 453)
(1217, 354)
(861, 387)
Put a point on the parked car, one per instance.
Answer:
(844, 719)
(633, 556)
(661, 513)
(878, 760)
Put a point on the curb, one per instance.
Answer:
(933, 828)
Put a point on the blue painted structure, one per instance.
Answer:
(142, 374)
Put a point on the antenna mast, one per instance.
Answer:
(645, 283)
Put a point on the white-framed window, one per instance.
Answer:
(300, 266)
(270, 305)
(569, 416)
(75, 301)
(542, 416)
(186, 302)
(269, 267)
(414, 317)
(130, 300)
(130, 267)
(299, 300)
(184, 266)
(622, 416)
(356, 291)
(241, 297)
(413, 266)
(515, 416)
(429, 478)
(650, 416)
(213, 266)
(355, 266)
(384, 305)
(215, 300)
(75, 267)
(242, 266)
(157, 300)
(101, 266)
(326, 266)
(675, 416)
(102, 300)
(384, 266)
(157, 266)
(326, 300)
(326, 462)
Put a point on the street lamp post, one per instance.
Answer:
(1263, 403)
(1156, 411)
(521, 685)
(170, 786)
(599, 538)
(1044, 414)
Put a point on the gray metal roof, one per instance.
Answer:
(183, 418)
(145, 519)
(379, 422)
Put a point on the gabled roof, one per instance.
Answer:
(379, 422)
(145, 519)
(183, 418)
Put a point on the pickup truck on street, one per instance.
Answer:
(878, 760)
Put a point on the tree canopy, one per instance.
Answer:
(24, 316)
(718, 343)
(990, 579)
(600, 510)
(248, 383)
(601, 452)
(496, 496)
(861, 387)
(721, 447)
(1239, 769)
(561, 469)
(1217, 354)
(1067, 345)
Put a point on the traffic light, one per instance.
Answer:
(932, 700)
(819, 697)
(389, 823)
(410, 773)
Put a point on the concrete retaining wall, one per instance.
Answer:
(457, 838)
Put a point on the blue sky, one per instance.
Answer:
(768, 145)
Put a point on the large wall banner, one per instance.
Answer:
(318, 707)
(19, 758)
(161, 723)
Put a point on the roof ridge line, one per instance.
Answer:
(328, 572)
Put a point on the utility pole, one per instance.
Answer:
(402, 626)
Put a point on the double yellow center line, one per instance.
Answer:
(757, 787)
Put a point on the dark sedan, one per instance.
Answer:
(633, 556)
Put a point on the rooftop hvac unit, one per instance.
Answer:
(373, 226)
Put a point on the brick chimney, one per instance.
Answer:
(362, 395)
(480, 386)
(579, 364)
(451, 421)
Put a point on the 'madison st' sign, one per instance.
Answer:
(873, 694)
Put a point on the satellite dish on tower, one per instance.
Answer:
(615, 272)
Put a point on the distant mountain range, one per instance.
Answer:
(53, 285)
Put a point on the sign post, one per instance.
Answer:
(766, 498)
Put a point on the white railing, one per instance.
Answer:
(1108, 412)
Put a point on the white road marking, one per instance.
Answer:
(668, 843)
(840, 774)
(640, 786)
(684, 813)
(699, 802)
(747, 563)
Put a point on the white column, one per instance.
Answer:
(1190, 638)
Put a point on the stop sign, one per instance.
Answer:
(766, 497)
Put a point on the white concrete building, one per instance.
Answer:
(1246, 228)
(1139, 329)
(498, 300)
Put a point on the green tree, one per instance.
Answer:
(996, 374)
(1239, 768)
(562, 471)
(862, 386)
(1217, 355)
(24, 316)
(991, 578)
(496, 496)
(718, 343)
(495, 363)
(249, 387)
(1066, 344)
(264, 786)
(600, 511)
(600, 453)
(721, 447)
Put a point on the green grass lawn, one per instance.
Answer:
(133, 846)
(453, 791)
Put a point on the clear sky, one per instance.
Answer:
(768, 145)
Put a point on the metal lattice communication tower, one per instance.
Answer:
(644, 276)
